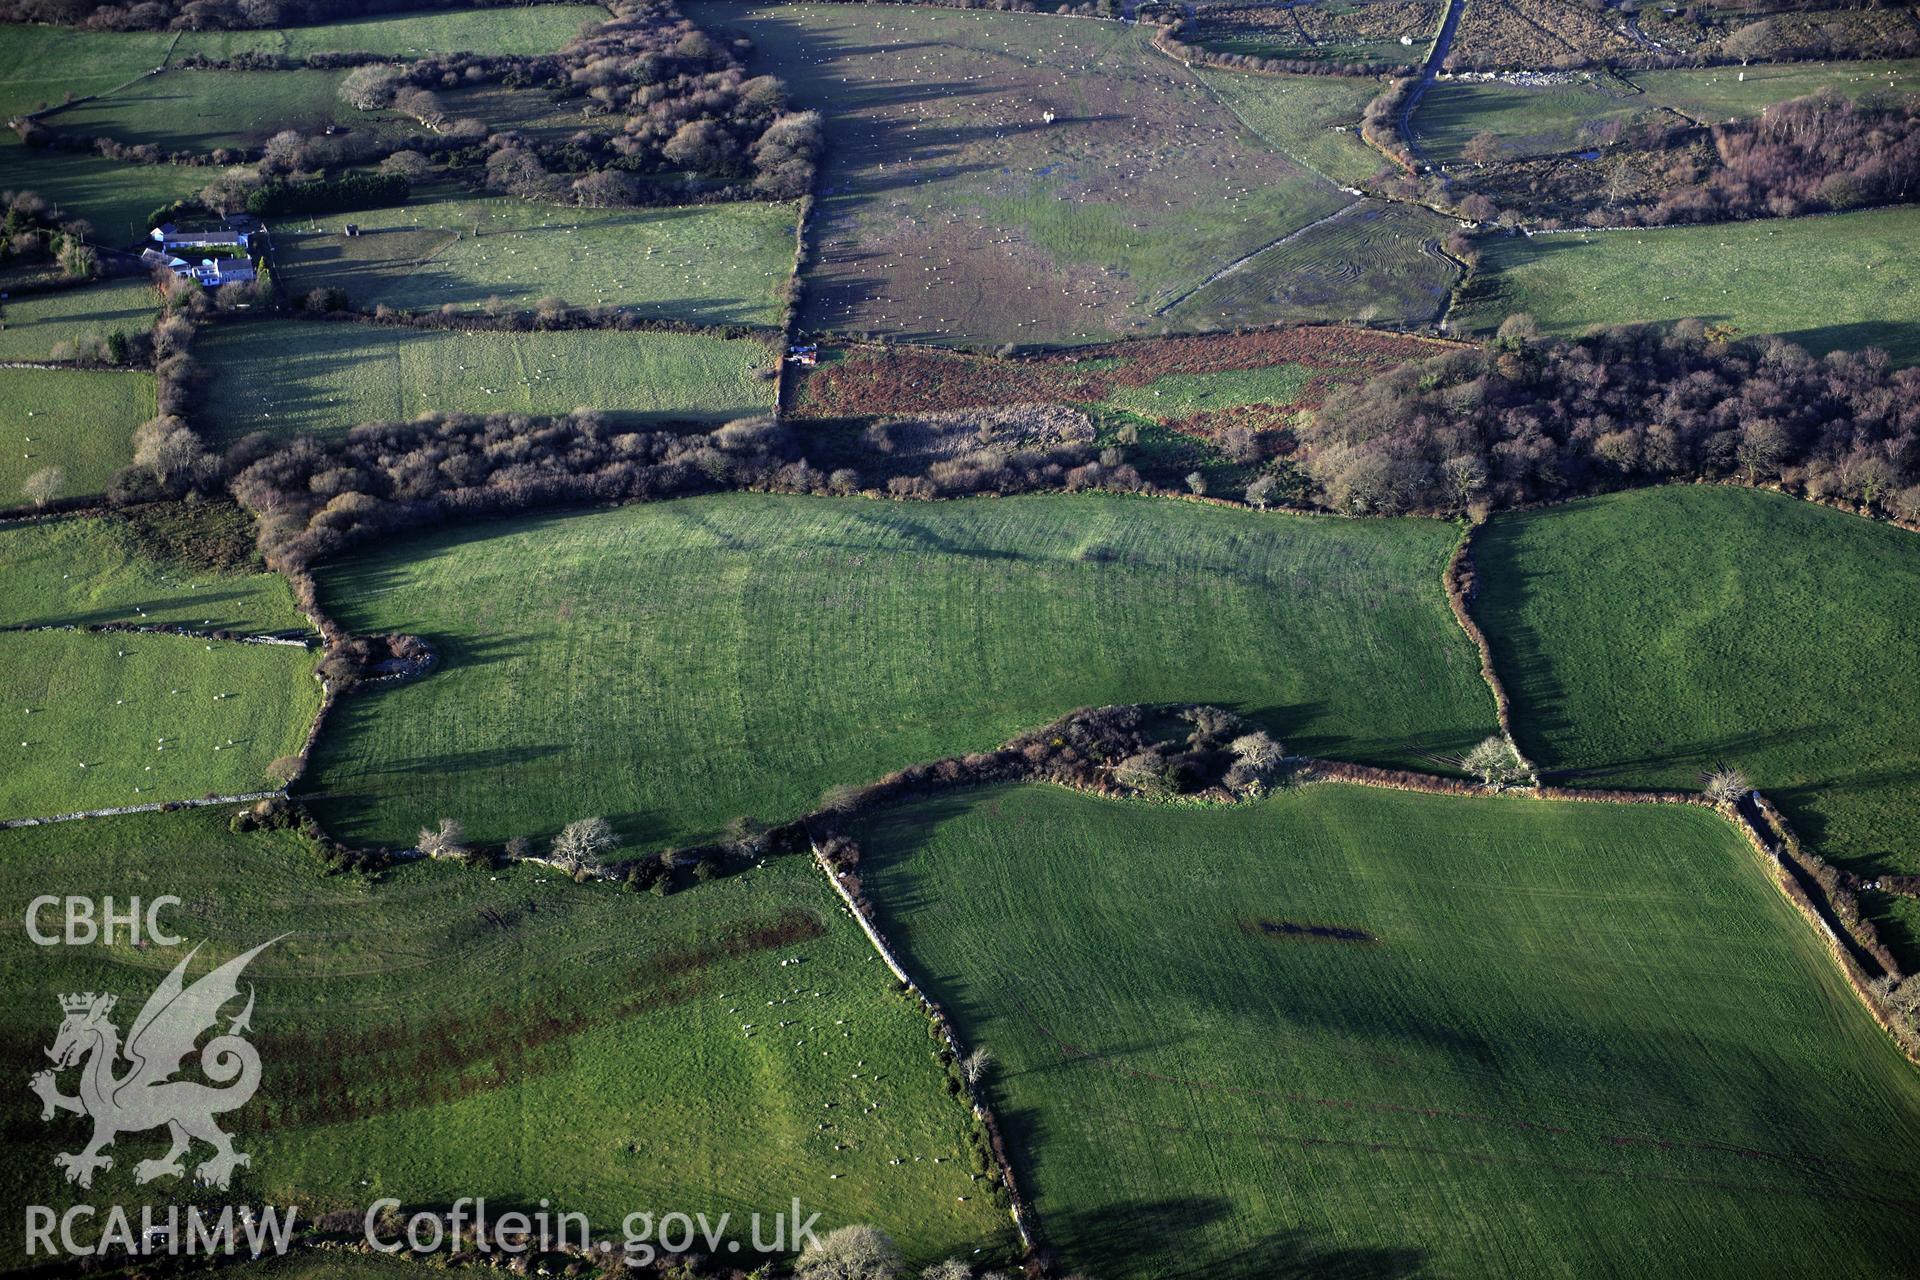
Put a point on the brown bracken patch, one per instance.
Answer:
(877, 381)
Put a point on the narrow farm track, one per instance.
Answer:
(1442, 45)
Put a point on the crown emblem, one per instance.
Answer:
(83, 1002)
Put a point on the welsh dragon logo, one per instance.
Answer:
(144, 1095)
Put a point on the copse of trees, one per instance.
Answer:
(1527, 419)
(1809, 155)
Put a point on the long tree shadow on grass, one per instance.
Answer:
(205, 603)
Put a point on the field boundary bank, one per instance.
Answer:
(222, 635)
(1240, 262)
(75, 366)
(1461, 580)
(1010, 766)
(1020, 1208)
(159, 806)
(578, 319)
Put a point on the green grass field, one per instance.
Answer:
(952, 211)
(676, 665)
(506, 30)
(707, 264)
(1646, 636)
(1835, 283)
(1586, 1040)
(115, 197)
(1529, 120)
(96, 721)
(1547, 119)
(291, 376)
(89, 570)
(1314, 119)
(588, 1049)
(41, 65)
(33, 325)
(83, 424)
(1181, 395)
(200, 111)
(1378, 262)
(1722, 93)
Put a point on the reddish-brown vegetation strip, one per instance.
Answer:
(870, 381)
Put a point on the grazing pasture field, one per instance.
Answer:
(953, 211)
(89, 570)
(505, 30)
(1529, 120)
(1314, 119)
(95, 721)
(40, 65)
(1721, 93)
(38, 322)
(324, 378)
(1374, 262)
(115, 197)
(705, 264)
(1645, 637)
(82, 422)
(1334, 31)
(1533, 120)
(1827, 283)
(676, 665)
(441, 1031)
(201, 111)
(1573, 1026)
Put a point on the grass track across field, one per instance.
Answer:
(583, 1046)
(1647, 636)
(291, 376)
(676, 665)
(1828, 283)
(81, 422)
(100, 721)
(1578, 1025)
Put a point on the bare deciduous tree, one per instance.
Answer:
(449, 840)
(1494, 762)
(976, 1065)
(850, 1253)
(44, 485)
(584, 843)
(1726, 785)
